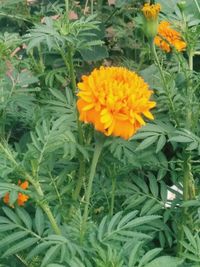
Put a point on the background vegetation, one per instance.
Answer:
(45, 48)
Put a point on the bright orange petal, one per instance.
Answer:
(114, 100)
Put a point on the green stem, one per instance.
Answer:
(113, 195)
(41, 62)
(71, 70)
(96, 155)
(44, 205)
(186, 173)
(81, 172)
(81, 175)
(191, 55)
(92, 7)
(67, 8)
(197, 5)
(51, 218)
(188, 181)
(188, 194)
(167, 90)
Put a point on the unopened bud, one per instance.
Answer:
(150, 19)
(181, 5)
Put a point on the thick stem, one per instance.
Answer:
(167, 91)
(67, 8)
(51, 218)
(92, 6)
(97, 152)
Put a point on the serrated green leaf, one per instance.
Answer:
(4, 228)
(50, 255)
(25, 217)
(155, 209)
(165, 261)
(142, 220)
(161, 142)
(11, 215)
(12, 237)
(190, 203)
(39, 221)
(147, 206)
(115, 219)
(153, 184)
(149, 256)
(125, 219)
(39, 249)
(57, 94)
(134, 255)
(20, 246)
(190, 237)
(55, 265)
(147, 142)
(163, 191)
(181, 139)
(192, 146)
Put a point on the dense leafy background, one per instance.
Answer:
(40, 141)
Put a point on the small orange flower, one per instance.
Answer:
(6, 198)
(151, 11)
(22, 198)
(115, 100)
(172, 37)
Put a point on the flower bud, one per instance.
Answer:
(150, 19)
(181, 5)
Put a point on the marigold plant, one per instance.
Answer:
(115, 100)
(172, 37)
(22, 198)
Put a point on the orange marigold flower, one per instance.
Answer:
(23, 185)
(151, 11)
(172, 37)
(22, 198)
(115, 100)
(6, 198)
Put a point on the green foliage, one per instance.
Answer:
(144, 207)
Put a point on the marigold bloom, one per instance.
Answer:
(6, 198)
(115, 100)
(22, 198)
(151, 11)
(172, 37)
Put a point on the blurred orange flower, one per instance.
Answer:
(115, 100)
(151, 11)
(22, 198)
(172, 37)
